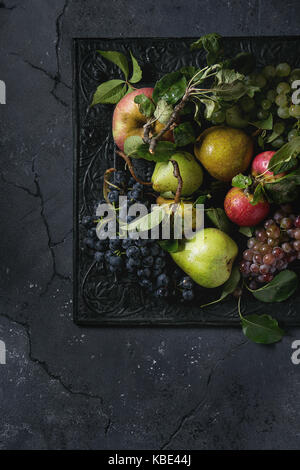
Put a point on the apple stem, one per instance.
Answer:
(130, 167)
(177, 175)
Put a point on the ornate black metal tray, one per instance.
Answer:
(101, 299)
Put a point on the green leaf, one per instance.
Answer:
(184, 134)
(258, 195)
(117, 58)
(234, 91)
(241, 181)
(280, 288)
(163, 151)
(247, 231)
(201, 199)
(136, 70)
(266, 124)
(132, 144)
(229, 286)
(218, 217)
(171, 246)
(211, 43)
(148, 221)
(170, 87)
(146, 106)
(285, 158)
(262, 329)
(163, 111)
(197, 114)
(109, 92)
(209, 107)
(284, 190)
(228, 76)
(188, 71)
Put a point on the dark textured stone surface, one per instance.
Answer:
(70, 387)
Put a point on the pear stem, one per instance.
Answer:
(177, 175)
(130, 167)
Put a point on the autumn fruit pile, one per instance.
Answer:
(226, 136)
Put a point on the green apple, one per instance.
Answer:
(191, 173)
(208, 257)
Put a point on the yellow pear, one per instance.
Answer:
(224, 151)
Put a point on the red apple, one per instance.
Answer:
(239, 209)
(260, 166)
(127, 119)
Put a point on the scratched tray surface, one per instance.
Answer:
(100, 299)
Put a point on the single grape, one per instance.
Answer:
(283, 70)
(257, 258)
(251, 242)
(264, 249)
(262, 114)
(269, 258)
(248, 255)
(297, 234)
(254, 268)
(269, 71)
(294, 111)
(286, 247)
(266, 104)
(245, 267)
(281, 100)
(268, 223)
(261, 235)
(253, 285)
(278, 252)
(256, 247)
(278, 216)
(296, 245)
(162, 292)
(290, 232)
(283, 113)
(283, 87)
(186, 283)
(264, 269)
(188, 295)
(286, 223)
(271, 242)
(295, 75)
(260, 80)
(297, 221)
(281, 264)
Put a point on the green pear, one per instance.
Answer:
(208, 257)
(191, 173)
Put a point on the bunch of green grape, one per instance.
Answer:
(275, 96)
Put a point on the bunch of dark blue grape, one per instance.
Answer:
(142, 259)
(274, 247)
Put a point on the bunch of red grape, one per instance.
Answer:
(272, 249)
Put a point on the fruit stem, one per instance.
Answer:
(106, 183)
(177, 175)
(130, 167)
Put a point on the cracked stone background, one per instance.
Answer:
(66, 387)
